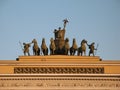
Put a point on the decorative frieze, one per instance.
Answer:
(59, 70)
(43, 85)
(60, 82)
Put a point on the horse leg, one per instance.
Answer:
(35, 52)
(38, 51)
(74, 52)
(53, 52)
(78, 53)
(50, 52)
(28, 54)
(46, 51)
(70, 51)
(81, 53)
(66, 52)
(93, 54)
(89, 53)
(84, 53)
(24, 53)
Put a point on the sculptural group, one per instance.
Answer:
(59, 45)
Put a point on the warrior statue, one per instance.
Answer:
(59, 34)
(26, 48)
(92, 48)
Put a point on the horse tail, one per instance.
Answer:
(45, 51)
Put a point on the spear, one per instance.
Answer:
(21, 46)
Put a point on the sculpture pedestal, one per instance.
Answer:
(59, 72)
(58, 58)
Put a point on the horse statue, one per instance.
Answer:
(73, 49)
(52, 47)
(67, 46)
(82, 48)
(36, 49)
(44, 47)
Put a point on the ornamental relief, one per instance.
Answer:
(59, 70)
(54, 82)
(63, 85)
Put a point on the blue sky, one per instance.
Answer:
(94, 20)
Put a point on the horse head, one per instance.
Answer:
(66, 40)
(74, 40)
(67, 43)
(43, 40)
(83, 42)
(74, 44)
(51, 39)
(34, 41)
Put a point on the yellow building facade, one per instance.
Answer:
(59, 72)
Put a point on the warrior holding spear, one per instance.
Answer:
(65, 22)
(92, 48)
(26, 48)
